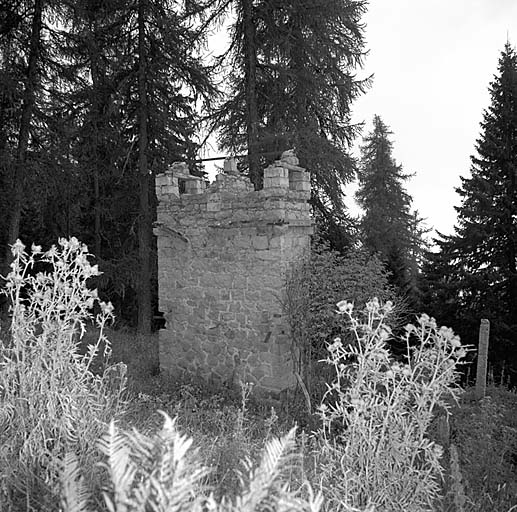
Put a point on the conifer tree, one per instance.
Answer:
(305, 54)
(481, 256)
(31, 81)
(388, 227)
(11, 91)
(158, 100)
(30, 84)
(93, 33)
(106, 93)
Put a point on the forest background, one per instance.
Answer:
(99, 96)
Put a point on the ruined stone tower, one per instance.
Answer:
(223, 252)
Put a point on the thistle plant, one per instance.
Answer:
(51, 401)
(377, 411)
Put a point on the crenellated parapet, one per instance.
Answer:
(223, 253)
(178, 177)
(281, 177)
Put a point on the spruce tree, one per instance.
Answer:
(388, 227)
(481, 255)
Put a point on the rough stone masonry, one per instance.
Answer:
(223, 253)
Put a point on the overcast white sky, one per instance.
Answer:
(433, 61)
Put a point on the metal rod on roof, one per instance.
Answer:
(213, 158)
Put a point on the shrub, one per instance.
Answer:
(312, 290)
(376, 413)
(51, 402)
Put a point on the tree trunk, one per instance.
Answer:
(29, 93)
(96, 113)
(510, 172)
(299, 61)
(144, 218)
(251, 93)
(512, 257)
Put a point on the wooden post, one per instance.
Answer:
(484, 332)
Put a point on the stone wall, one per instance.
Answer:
(223, 252)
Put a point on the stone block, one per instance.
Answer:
(276, 182)
(230, 166)
(301, 186)
(169, 189)
(213, 206)
(226, 316)
(260, 243)
(219, 307)
(211, 360)
(274, 171)
(161, 179)
(289, 157)
(242, 242)
(194, 186)
(276, 243)
(277, 383)
(237, 295)
(240, 282)
(267, 255)
(179, 169)
(235, 307)
(213, 316)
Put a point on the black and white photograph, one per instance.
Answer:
(258, 256)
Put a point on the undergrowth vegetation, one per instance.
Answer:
(313, 288)
(52, 402)
(73, 439)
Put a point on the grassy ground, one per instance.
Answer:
(228, 427)
(486, 435)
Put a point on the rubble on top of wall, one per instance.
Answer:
(231, 180)
(281, 176)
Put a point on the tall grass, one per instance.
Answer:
(485, 434)
(60, 448)
(51, 402)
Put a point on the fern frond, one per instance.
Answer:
(176, 475)
(169, 434)
(120, 466)
(153, 473)
(262, 480)
(74, 494)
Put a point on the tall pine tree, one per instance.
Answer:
(476, 267)
(388, 227)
